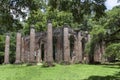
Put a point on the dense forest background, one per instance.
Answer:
(87, 15)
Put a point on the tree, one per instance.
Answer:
(79, 8)
(113, 50)
(113, 25)
(12, 10)
(2, 41)
(106, 29)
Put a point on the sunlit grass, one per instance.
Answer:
(59, 72)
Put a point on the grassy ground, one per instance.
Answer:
(60, 72)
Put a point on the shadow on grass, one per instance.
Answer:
(103, 78)
(116, 66)
(110, 65)
(109, 77)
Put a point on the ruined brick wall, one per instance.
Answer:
(29, 48)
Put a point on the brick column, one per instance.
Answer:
(79, 42)
(18, 47)
(7, 46)
(39, 55)
(97, 53)
(103, 52)
(66, 45)
(26, 50)
(49, 43)
(77, 56)
(32, 44)
(89, 38)
(75, 51)
(38, 52)
(22, 50)
(86, 56)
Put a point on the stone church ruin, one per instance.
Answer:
(55, 45)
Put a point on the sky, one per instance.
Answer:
(111, 3)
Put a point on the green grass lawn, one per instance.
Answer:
(60, 72)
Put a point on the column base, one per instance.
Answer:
(18, 62)
(6, 63)
(48, 64)
(65, 63)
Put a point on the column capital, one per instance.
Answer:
(19, 31)
(77, 30)
(65, 25)
(7, 34)
(32, 26)
(49, 21)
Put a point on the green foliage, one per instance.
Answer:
(64, 17)
(98, 33)
(87, 48)
(12, 10)
(88, 15)
(38, 19)
(113, 49)
(112, 26)
(105, 29)
(113, 19)
(79, 8)
(59, 17)
(26, 29)
(12, 46)
(2, 42)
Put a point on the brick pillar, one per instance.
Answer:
(75, 51)
(49, 43)
(18, 47)
(89, 38)
(103, 52)
(32, 45)
(26, 50)
(39, 59)
(86, 56)
(77, 56)
(38, 53)
(79, 42)
(7, 46)
(22, 50)
(66, 45)
(97, 53)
